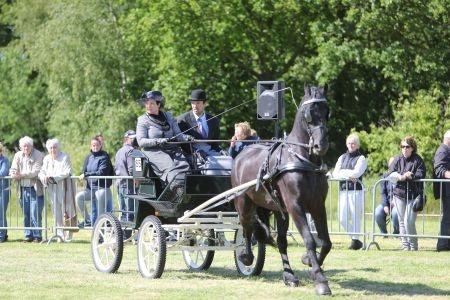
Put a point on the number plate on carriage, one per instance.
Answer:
(138, 164)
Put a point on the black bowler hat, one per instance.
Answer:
(198, 95)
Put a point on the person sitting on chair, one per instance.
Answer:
(386, 207)
(200, 125)
(153, 131)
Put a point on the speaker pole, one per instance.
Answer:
(277, 129)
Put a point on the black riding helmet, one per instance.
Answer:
(153, 95)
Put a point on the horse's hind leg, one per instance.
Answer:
(299, 217)
(246, 210)
(282, 227)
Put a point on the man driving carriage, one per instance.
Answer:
(154, 130)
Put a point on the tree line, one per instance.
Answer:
(72, 69)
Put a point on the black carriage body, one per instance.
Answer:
(198, 188)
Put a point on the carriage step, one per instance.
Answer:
(164, 207)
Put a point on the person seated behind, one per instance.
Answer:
(385, 207)
(97, 191)
(242, 138)
(201, 125)
(154, 129)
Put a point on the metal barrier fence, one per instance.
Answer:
(425, 231)
(346, 211)
(95, 201)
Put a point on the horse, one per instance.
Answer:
(291, 182)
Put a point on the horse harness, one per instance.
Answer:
(267, 176)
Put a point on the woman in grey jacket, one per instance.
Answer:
(154, 130)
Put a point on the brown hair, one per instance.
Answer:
(410, 141)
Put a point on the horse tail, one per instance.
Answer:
(262, 226)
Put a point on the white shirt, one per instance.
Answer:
(358, 171)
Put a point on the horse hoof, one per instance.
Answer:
(323, 289)
(246, 259)
(290, 280)
(305, 260)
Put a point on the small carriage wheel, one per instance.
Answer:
(259, 250)
(151, 248)
(107, 243)
(198, 260)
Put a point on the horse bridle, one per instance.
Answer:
(307, 118)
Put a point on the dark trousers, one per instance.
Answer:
(445, 224)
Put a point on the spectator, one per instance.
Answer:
(386, 208)
(407, 167)
(124, 167)
(4, 193)
(154, 129)
(201, 125)
(242, 137)
(350, 167)
(25, 169)
(441, 164)
(97, 191)
(55, 176)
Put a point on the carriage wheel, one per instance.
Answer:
(258, 249)
(107, 243)
(198, 260)
(151, 248)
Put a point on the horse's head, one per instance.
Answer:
(314, 114)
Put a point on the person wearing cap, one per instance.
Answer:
(441, 168)
(4, 193)
(153, 131)
(200, 124)
(25, 168)
(124, 167)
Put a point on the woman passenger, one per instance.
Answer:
(154, 129)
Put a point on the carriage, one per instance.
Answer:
(197, 222)
(286, 177)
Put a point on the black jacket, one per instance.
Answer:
(98, 164)
(408, 188)
(441, 163)
(187, 120)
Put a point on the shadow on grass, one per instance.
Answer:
(391, 288)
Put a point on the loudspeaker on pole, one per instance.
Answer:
(270, 100)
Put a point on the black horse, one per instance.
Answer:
(292, 182)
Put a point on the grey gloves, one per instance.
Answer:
(161, 141)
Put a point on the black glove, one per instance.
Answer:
(190, 138)
(161, 141)
(419, 203)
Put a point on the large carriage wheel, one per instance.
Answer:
(107, 243)
(198, 260)
(151, 248)
(258, 249)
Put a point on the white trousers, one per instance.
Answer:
(351, 209)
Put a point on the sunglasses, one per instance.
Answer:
(405, 146)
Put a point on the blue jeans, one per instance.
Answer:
(126, 205)
(380, 218)
(32, 207)
(4, 200)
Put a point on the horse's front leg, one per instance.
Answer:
(320, 221)
(282, 227)
(299, 217)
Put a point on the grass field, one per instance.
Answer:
(66, 271)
